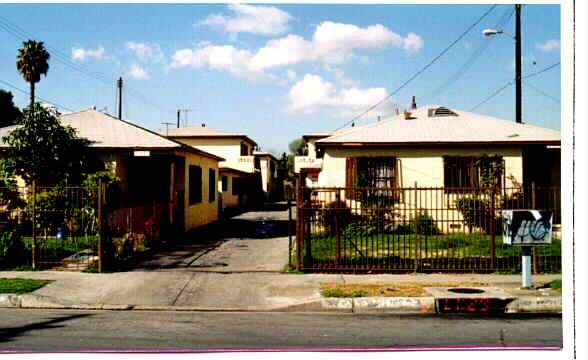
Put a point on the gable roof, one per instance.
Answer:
(202, 132)
(107, 132)
(448, 126)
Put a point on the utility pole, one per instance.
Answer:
(518, 65)
(119, 84)
(178, 119)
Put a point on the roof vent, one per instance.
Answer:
(441, 112)
(203, 125)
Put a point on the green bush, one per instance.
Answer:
(477, 212)
(12, 250)
(332, 213)
(423, 221)
(358, 229)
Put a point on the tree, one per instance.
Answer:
(42, 149)
(32, 62)
(9, 112)
(297, 147)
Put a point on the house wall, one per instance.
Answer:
(229, 200)
(204, 212)
(423, 166)
(227, 148)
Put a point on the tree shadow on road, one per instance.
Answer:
(9, 334)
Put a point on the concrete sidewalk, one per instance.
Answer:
(257, 291)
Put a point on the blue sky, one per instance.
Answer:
(277, 71)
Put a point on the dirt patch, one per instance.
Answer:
(391, 289)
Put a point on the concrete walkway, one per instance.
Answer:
(240, 270)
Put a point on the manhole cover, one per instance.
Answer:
(466, 291)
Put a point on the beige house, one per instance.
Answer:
(246, 173)
(434, 147)
(152, 168)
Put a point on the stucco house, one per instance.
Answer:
(437, 146)
(152, 168)
(247, 176)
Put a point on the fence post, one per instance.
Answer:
(34, 230)
(289, 195)
(536, 259)
(416, 230)
(299, 223)
(100, 229)
(338, 229)
(493, 229)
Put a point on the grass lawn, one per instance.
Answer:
(20, 286)
(385, 248)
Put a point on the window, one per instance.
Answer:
(212, 185)
(460, 171)
(374, 172)
(225, 183)
(256, 163)
(195, 182)
(244, 149)
(465, 171)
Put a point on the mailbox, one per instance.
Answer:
(526, 227)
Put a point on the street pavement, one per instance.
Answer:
(238, 266)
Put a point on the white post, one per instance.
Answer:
(527, 279)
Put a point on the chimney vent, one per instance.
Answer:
(407, 115)
(413, 104)
(94, 107)
(379, 118)
(203, 125)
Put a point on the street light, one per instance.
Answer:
(518, 57)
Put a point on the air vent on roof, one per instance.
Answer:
(441, 112)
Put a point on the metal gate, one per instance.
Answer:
(417, 229)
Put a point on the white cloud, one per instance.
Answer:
(146, 52)
(332, 43)
(313, 94)
(549, 45)
(138, 73)
(224, 58)
(340, 76)
(264, 20)
(291, 75)
(81, 54)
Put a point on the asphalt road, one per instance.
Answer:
(67, 330)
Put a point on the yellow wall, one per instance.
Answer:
(229, 200)
(421, 165)
(204, 212)
(227, 148)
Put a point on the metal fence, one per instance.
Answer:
(417, 229)
(75, 228)
(58, 227)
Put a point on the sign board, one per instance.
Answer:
(142, 153)
(526, 227)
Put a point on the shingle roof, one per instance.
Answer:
(423, 129)
(201, 132)
(107, 132)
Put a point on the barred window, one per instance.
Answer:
(373, 172)
(465, 172)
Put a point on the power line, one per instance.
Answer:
(477, 53)
(511, 83)
(424, 68)
(38, 97)
(542, 92)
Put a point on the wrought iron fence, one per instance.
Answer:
(417, 229)
(75, 228)
(57, 226)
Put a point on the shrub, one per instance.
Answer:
(358, 229)
(425, 224)
(12, 249)
(332, 213)
(476, 212)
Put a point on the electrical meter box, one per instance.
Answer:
(526, 227)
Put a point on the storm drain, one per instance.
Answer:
(466, 291)
(470, 300)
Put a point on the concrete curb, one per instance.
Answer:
(392, 305)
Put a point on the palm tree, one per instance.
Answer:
(33, 61)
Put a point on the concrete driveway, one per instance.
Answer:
(254, 241)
